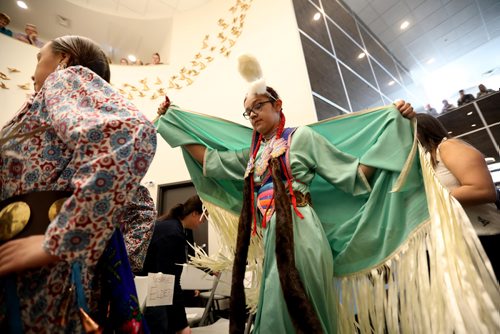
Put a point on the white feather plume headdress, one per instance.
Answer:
(249, 68)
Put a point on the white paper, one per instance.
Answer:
(160, 289)
(141, 285)
(193, 278)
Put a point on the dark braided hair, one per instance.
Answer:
(302, 313)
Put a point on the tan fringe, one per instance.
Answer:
(409, 160)
(439, 281)
(226, 226)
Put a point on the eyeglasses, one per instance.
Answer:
(257, 108)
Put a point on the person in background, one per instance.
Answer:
(463, 171)
(155, 59)
(30, 36)
(123, 61)
(75, 154)
(4, 22)
(447, 106)
(167, 250)
(483, 91)
(464, 98)
(430, 110)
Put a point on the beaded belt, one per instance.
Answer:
(29, 214)
(302, 200)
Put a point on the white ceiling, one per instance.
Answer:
(139, 9)
(121, 27)
(442, 30)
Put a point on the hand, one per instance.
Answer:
(24, 253)
(405, 109)
(186, 330)
(163, 107)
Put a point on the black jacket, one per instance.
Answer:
(167, 249)
(465, 99)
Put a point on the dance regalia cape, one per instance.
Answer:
(396, 266)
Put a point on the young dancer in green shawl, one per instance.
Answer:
(297, 293)
(350, 239)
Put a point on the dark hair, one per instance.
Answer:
(430, 133)
(85, 52)
(6, 17)
(157, 54)
(181, 210)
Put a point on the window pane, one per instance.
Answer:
(325, 110)
(342, 17)
(361, 95)
(376, 51)
(348, 52)
(323, 73)
(304, 11)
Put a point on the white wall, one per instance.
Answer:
(22, 56)
(270, 33)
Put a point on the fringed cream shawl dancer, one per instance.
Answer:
(356, 257)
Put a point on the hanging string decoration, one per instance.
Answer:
(220, 43)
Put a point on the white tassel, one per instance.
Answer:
(250, 69)
(226, 227)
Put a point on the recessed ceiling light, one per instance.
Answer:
(430, 61)
(469, 113)
(132, 58)
(317, 16)
(404, 25)
(22, 4)
(391, 83)
(473, 125)
(361, 55)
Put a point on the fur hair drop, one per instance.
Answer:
(250, 70)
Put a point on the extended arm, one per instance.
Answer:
(469, 167)
(197, 151)
(367, 171)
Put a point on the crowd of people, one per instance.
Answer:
(155, 60)
(69, 267)
(29, 36)
(463, 99)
